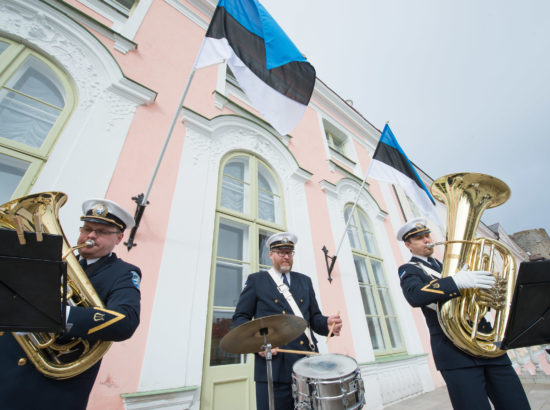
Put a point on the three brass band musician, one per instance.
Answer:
(471, 381)
(22, 384)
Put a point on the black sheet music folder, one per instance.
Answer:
(33, 281)
(529, 321)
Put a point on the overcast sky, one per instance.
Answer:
(465, 85)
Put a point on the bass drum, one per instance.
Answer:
(327, 382)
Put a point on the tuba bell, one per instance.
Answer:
(466, 196)
(39, 213)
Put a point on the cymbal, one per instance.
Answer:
(280, 330)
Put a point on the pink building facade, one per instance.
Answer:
(110, 75)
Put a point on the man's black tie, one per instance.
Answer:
(83, 263)
(285, 280)
(434, 264)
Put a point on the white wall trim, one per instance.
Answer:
(176, 399)
(191, 14)
(390, 382)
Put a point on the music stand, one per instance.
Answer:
(529, 321)
(33, 282)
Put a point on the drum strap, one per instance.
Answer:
(285, 291)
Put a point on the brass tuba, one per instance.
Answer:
(39, 213)
(466, 196)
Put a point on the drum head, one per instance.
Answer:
(325, 366)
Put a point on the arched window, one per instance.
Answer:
(35, 102)
(248, 212)
(377, 302)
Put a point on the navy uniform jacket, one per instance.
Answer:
(23, 387)
(260, 297)
(422, 290)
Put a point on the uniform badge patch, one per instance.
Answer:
(135, 279)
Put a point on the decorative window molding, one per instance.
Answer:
(107, 100)
(339, 145)
(208, 142)
(120, 33)
(126, 16)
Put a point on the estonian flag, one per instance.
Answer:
(269, 68)
(390, 164)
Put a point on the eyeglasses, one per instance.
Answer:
(284, 253)
(99, 232)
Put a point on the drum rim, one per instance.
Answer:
(297, 365)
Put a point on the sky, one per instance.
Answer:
(465, 85)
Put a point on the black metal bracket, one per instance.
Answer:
(137, 217)
(330, 266)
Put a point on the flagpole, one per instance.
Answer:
(330, 265)
(353, 209)
(325, 250)
(174, 120)
(142, 200)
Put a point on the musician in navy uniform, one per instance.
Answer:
(262, 297)
(116, 282)
(471, 381)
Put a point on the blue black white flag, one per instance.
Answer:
(390, 164)
(274, 75)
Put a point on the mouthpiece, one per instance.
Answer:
(432, 245)
(88, 244)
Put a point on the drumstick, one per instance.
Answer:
(306, 352)
(332, 328)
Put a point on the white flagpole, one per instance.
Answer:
(353, 209)
(167, 139)
(142, 200)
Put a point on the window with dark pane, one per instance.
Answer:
(378, 307)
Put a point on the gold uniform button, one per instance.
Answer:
(436, 285)
(301, 300)
(22, 362)
(284, 312)
(1, 333)
(301, 342)
(276, 301)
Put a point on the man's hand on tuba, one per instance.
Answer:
(473, 279)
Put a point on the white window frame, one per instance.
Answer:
(331, 133)
(12, 60)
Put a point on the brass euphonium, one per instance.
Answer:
(466, 196)
(39, 213)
